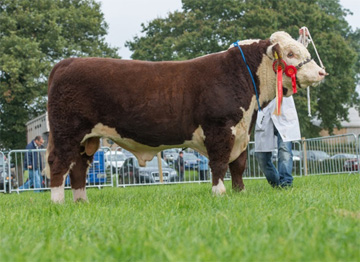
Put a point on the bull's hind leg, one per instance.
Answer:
(78, 176)
(79, 168)
(237, 168)
(219, 142)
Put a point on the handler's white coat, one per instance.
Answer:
(287, 124)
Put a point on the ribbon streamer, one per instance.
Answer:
(279, 90)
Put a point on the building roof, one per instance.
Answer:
(354, 119)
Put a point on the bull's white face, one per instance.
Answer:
(294, 53)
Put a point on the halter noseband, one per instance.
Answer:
(289, 70)
(303, 63)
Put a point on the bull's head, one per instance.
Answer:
(295, 54)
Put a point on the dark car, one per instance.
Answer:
(131, 172)
(352, 164)
(5, 175)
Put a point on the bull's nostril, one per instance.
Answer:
(322, 73)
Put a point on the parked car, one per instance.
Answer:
(5, 173)
(171, 154)
(316, 155)
(114, 160)
(131, 172)
(343, 156)
(352, 164)
(297, 155)
(127, 153)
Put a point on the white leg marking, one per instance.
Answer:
(47, 167)
(219, 189)
(58, 193)
(80, 194)
(72, 165)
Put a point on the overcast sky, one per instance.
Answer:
(125, 17)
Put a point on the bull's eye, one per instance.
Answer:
(290, 55)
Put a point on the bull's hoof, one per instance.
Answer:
(79, 195)
(219, 189)
(239, 189)
(58, 195)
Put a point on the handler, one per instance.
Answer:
(285, 127)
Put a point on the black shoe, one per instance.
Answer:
(286, 186)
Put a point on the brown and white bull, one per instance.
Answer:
(207, 104)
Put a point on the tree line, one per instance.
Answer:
(35, 35)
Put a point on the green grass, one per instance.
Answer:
(317, 220)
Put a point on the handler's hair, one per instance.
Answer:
(37, 138)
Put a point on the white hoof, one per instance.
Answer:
(219, 189)
(58, 194)
(80, 194)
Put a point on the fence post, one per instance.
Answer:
(3, 169)
(358, 152)
(160, 167)
(303, 140)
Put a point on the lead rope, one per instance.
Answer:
(236, 44)
(305, 40)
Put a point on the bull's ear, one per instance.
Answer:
(274, 51)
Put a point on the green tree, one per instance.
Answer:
(34, 35)
(204, 27)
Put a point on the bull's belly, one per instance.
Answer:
(144, 152)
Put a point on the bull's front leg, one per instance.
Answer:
(219, 142)
(237, 168)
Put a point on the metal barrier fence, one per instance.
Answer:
(331, 155)
(324, 155)
(130, 173)
(29, 166)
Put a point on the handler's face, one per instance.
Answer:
(39, 142)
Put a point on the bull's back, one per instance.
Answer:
(139, 99)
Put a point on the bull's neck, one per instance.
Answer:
(267, 79)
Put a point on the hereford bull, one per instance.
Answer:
(208, 104)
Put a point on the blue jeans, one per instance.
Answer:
(35, 179)
(281, 177)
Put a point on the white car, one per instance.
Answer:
(114, 160)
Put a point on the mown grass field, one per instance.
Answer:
(317, 220)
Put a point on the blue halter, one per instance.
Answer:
(252, 78)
